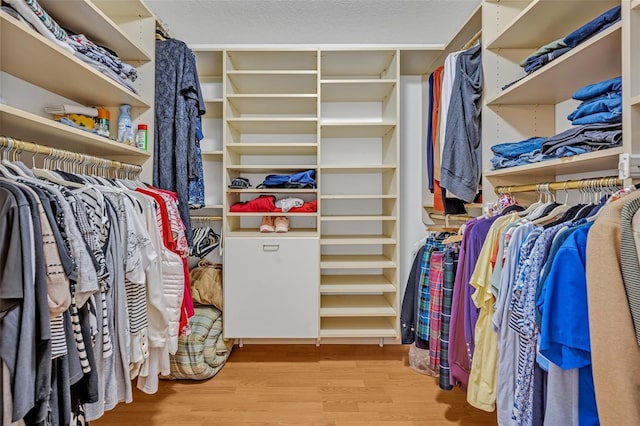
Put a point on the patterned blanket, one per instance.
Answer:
(203, 353)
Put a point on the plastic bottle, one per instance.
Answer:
(125, 131)
(141, 136)
(102, 122)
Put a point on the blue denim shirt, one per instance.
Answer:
(593, 27)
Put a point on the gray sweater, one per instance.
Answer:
(461, 157)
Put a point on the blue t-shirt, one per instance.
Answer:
(564, 333)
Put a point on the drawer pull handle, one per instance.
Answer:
(270, 247)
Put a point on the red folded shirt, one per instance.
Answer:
(264, 203)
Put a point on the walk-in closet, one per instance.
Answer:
(319, 212)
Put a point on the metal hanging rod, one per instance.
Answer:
(604, 182)
(473, 40)
(17, 146)
(206, 218)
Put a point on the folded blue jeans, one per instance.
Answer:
(593, 27)
(598, 89)
(516, 149)
(599, 117)
(613, 104)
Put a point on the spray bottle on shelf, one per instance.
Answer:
(125, 130)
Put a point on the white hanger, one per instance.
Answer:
(50, 176)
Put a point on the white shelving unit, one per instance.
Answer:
(537, 104)
(125, 27)
(270, 127)
(210, 71)
(359, 169)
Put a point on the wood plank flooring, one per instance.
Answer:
(330, 385)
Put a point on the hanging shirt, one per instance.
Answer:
(564, 336)
(481, 392)
(508, 339)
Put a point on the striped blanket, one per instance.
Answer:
(203, 353)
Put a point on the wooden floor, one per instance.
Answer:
(305, 385)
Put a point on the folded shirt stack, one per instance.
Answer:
(268, 204)
(557, 48)
(544, 55)
(601, 103)
(576, 140)
(104, 60)
(107, 62)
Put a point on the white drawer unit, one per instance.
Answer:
(271, 287)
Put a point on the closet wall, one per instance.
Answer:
(337, 111)
(538, 104)
(34, 71)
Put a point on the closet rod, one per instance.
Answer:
(473, 40)
(556, 186)
(18, 145)
(206, 218)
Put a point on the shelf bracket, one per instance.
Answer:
(317, 343)
(240, 343)
(629, 166)
(381, 341)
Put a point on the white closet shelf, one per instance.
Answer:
(274, 191)
(214, 108)
(269, 82)
(357, 218)
(367, 64)
(598, 160)
(208, 207)
(356, 90)
(355, 284)
(253, 232)
(125, 8)
(418, 61)
(358, 168)
(355, 261)
(635, 4)
(543, 21)
(47, 132)
(358, 197)
(467, 31)
(355, 306)
(291, 125)
(356, 240)
(273, 149)
(88, 18)
(270, 168)
(26, 53)
(272, 60)
(364, 129)
(215, 154)
(209, 63)
(288, 104)
(635, 101)
(357, 327)
(559, 77)
(260, 214)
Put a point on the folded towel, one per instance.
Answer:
(64, 109)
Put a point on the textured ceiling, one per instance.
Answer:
(313, 22)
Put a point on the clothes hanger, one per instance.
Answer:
(9, 165)
(558, 210)
(47, 174)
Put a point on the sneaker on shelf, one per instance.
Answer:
(281, 224)
(267, 224)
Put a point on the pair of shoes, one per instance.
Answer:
(274, 224)
(240, 183)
